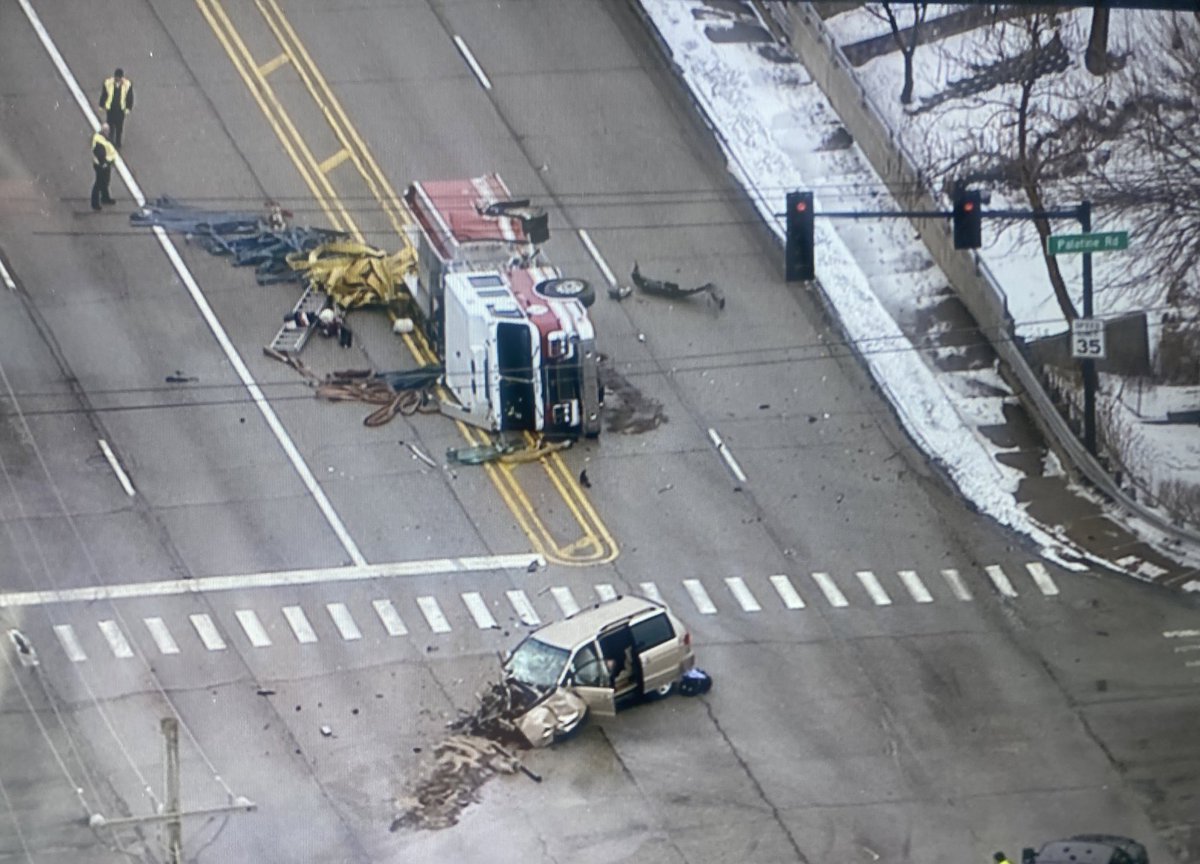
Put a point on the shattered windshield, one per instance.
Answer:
(537, 663)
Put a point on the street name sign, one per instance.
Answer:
(1087, 339)
(1109, 241)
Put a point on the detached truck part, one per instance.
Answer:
(515, 337)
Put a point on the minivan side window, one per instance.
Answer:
(651, 632)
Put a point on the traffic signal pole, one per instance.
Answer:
(1087, 364)
(965, 237)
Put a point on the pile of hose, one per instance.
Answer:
(395, 393)
(263, 241)
(355, 274)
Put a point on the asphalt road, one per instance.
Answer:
(947, 722)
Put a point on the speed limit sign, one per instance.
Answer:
(1087, 339)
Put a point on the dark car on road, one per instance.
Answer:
(1089, 849)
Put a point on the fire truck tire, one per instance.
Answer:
(566, 289)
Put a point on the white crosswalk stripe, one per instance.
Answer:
(389, 618)
(956, 583)
(116, 640)
(787, 592)
(1000, 580)
(298, 621)
(606, 592)
(344, 621)
(1041, 576)
(915, 586)
(830, 589)
(479, 611)
(208, 632)
(869, 581)
(253, 628)
(742, 593)
(433, 614)
(704, 604)
(650, 591)
(523, 608)
(70, 642)
(565, 600)
(161, 635)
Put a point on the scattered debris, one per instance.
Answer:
(584, 480)
(263, 691)
(395, 392)
(477, 750)
(627, 409)
(619, 292)
(420, 454)
(661, 288)
(326, 731)
(180, 378)
(502, 451)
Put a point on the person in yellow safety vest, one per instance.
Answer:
(1001, 858)
(116, 100)
(103, 156)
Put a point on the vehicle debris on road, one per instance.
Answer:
(674, 290)
(504, 452)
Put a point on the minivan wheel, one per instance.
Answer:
(664, 691)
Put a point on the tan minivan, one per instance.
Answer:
(599, 660)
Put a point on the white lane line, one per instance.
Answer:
(955, 581)
(390, 618)
(7, 277)
(915, 586)
(704, 604)
(650, 592)
(597, 257)
(565, 600)
(201, 301)
(830, 589)
(479, 610)
(343, 621)
(161, 635)
(70, 643)
(208, 632)
(523, 608)
(1180, 634)
(433, 614)
(787, 592)
(606, 592)
(1191, 664)
(1042, 577)
(300, 625)
(253, 628)
(878, 595)
(1000, 580)
(116, 467)
(730, 462)
(274, 579)
(1180, 649)
(473, 63)
(742, 593)
(116, 640)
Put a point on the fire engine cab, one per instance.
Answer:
(513, 333)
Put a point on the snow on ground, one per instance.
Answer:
(773, 121)
(779, 134)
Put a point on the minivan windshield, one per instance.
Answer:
(537, 663)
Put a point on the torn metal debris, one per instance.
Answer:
(662, 288)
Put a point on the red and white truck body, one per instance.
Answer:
(514, 335)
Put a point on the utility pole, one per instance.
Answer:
(171, 813)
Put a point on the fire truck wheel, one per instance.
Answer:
(565, 289)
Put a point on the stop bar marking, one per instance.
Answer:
(206, 584)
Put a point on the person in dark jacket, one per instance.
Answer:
(103, 156)
(116, 100)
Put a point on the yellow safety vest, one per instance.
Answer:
(109, 86)
(110, 151)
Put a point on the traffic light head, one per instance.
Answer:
(968, 219)
(799, 261)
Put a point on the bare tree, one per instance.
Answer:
(1146, 165)
(907, 39)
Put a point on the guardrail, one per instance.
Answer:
(978, 289)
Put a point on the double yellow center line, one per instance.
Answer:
(594, 544)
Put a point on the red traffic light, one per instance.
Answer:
(801, 206)
(968, 206)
